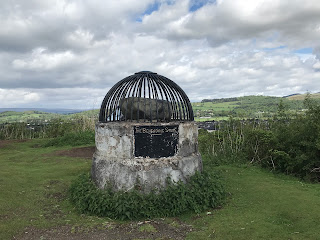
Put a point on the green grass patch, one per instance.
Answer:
(261, 205)
(208, 106)
(73, 139)
(33, 187)
(147, 228)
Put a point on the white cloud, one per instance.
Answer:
(292, 22)
(316, 65)
(31, 97)
(17, 97)
(42, 60)
(69, 53)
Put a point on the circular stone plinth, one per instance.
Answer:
(144, 154)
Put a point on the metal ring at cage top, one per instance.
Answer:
(147, 97)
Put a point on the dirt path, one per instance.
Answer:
(5, 143)
(82, 152)
(111, 231)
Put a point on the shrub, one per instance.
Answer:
(300, 154)
(72, 139)
(202, 191)
(258, 146)
(223, 146)
(288, 145)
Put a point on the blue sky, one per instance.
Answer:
(154, 6)
(306, 50)
(194, 5)
(73, 52)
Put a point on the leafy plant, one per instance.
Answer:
(201, 192)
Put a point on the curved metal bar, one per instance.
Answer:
(146, 96)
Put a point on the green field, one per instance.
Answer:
(33, 187)
(207, 110)
(41, 117)
(207, 106)
(27, 116)
(248, 106)
(261, 205)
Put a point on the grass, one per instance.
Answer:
(32, 184)
(261, 205)
(207, 106)
(147, 228)
(73, 139)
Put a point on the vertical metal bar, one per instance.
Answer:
(167, 97)
(183, 115)
(160, 93)
(126, 96)
(187, 103)
(104, 110)
(114, 104)
(139, 96)
(175, 100)
(150, 97)
(156, 88)
(155, 97)
(134, 92)
(144, 98)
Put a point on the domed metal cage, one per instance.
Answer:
(147, 97)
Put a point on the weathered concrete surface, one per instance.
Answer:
(114, 162)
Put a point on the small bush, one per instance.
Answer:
(286, 143)
(222, 146)
(72, 139)
(203, 191)
(258, 145)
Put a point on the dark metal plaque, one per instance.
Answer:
(156, 141)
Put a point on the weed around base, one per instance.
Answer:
(202, 191)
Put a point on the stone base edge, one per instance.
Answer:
(149, 174)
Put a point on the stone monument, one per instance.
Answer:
(145, 134)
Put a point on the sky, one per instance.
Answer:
(69, 53)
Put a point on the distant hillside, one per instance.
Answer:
(40, 117)
(26, 116)
(207, 109)
(88, 113)
(291, 95)
(248, 106)
(303, 96)
(46, 110)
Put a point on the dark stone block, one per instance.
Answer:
(135, 108)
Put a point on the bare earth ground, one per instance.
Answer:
(83, 152)
(156, 229)
(4, 143)
(134, 230)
